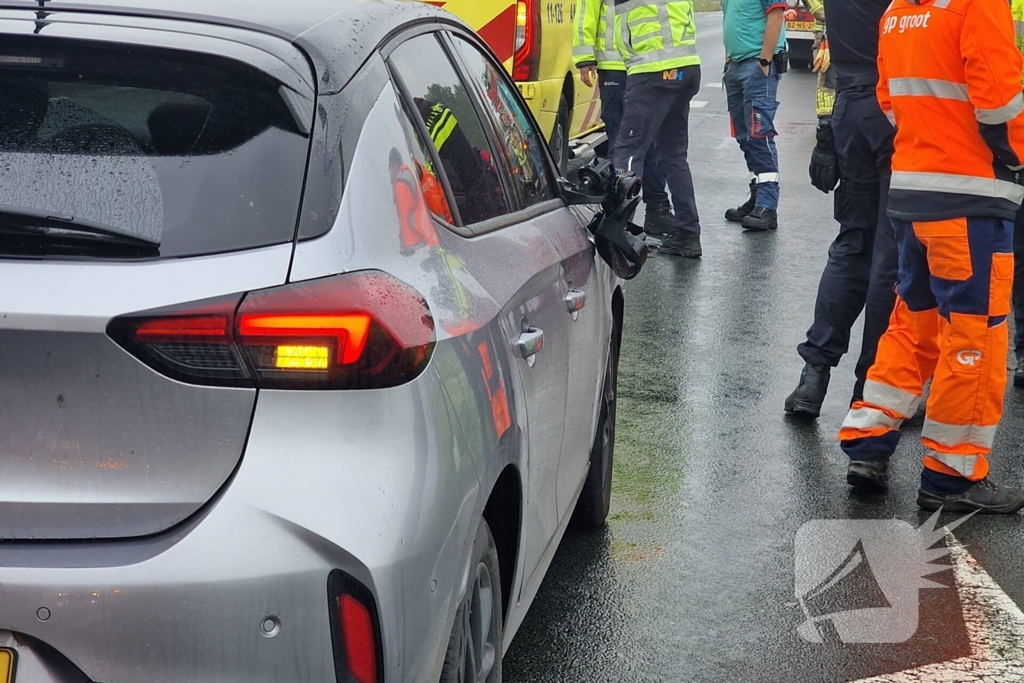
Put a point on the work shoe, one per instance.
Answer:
(1018, 374)
(986, 497)
(806, 399)
(659, 219)
(761, 219)
(682, 243)
(740, 212)
(869, 476)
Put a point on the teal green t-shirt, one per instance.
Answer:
(743, 27)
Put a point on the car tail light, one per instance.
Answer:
(355, 630)
(364, 330)
(526, 60)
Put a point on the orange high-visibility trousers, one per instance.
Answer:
(949, 323)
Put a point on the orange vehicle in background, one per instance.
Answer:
(533, 38)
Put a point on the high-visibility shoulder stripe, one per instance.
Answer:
(955, 183)
(928, 87)
(955, 435)
(941, 4)
(891, 398)
(442, 130)
(1008, 112)
(581, 22)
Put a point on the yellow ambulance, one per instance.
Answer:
(534, 40)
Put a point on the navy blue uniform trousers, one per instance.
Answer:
(613, 96)
(863, 260)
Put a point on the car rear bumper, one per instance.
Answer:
(365, 482)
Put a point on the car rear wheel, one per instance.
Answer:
(560, 136)
(474, 649)
(596, 499)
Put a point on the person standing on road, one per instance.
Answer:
(754, 40)
(593, 49)
(657, 40)
(950, 80)
(1018, 238)
(825, 95)
(854, 148)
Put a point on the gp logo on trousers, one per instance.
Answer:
(968, 357)
(857, 580)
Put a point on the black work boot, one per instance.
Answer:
(740, 212)
(682, 243)
(986, 497)
(1018, 374)
(659, 219)
(870, 476)
(761, 220)
(808, 396)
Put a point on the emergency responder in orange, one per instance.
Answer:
(950, 80)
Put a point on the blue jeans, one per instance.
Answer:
(752, 107)
(613, 96)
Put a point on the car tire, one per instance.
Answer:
(595, 500)
(560, 137)
(474, 649)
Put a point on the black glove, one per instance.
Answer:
(823, 171)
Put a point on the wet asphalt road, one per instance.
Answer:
(693, 578)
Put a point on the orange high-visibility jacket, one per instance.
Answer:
(949, 80)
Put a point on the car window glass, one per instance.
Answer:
(521, 143)
(451, 121)
(426, 175)
(169, 146)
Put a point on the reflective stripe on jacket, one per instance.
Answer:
(593, 37)
(656, 35)
(950, 81)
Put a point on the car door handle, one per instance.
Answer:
(530, 342)
(575, 300)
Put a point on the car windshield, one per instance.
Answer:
(196, 152)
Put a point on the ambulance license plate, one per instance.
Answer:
(8, 658)
(800, 26)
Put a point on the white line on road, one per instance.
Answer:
(716, 86)
(698, 104)
(995, 629)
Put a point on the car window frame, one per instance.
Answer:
(499, 139)
(517, 215)
(411, 112)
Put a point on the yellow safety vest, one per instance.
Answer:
(1017, 6)
(656, 35)
(593, 37)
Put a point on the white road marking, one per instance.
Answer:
(716, 86)
(995, 629)
(698, 104)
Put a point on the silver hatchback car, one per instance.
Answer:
(306, 365)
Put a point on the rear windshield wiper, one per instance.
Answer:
(46, 224)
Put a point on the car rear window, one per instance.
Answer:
(195, 151)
